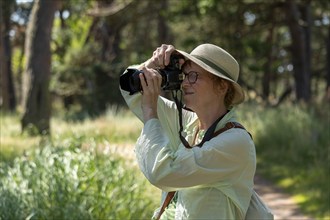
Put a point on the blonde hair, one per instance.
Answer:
(230, 94)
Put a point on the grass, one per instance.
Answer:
(56, 182)
(72, 174)
(117, 126)
(12, 142)
(293, 150)
(292, 144)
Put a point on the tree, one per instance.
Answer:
(96, 39)
(300, 47)
(36, 96)
(7, 85)
(327, 92)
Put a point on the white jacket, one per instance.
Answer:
(214, 181)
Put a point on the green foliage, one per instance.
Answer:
(292, 144)
(12, 142)
(72, 175)
(90, 50)
(83, 79)
(293, 148)
(82, 76)
(56, 182)
(73, 35)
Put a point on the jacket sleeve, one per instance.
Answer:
(226, 158)
(167, 114)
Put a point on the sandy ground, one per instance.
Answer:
(282, 205)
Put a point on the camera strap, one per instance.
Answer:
(179, 105)
(209, 133)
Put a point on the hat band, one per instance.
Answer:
(214, 66)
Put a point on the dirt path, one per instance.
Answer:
(282, 205)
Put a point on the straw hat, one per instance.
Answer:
(218, 62)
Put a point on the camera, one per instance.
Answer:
(172, 77)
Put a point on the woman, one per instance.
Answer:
(213, 180)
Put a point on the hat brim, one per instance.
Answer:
(239, 93)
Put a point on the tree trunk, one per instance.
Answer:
(8, 98)
(299, 49)
(307, 17)
(268, 65)
(164, 33)
(164, 36)
(36, 96)
(327, 92)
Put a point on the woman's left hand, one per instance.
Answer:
(151, 82)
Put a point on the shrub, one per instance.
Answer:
(56, 182)
(292, 144)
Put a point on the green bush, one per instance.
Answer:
(56, 182)
(292, 144)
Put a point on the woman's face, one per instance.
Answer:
(202, 94)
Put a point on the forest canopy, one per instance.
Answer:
(282, 46)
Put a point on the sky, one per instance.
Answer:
(23, 1)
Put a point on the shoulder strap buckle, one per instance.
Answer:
(230, 125)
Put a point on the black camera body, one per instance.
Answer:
(171, 77)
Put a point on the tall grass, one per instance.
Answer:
(117, 126)
(12, 142)
(65, 177)
(72, 174)
(56, 182)
(293, 149)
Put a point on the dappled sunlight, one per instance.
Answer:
(292, 150)
(114, 128)
(69, 75)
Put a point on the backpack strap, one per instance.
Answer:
(228, 126)
(170, 195)
(166, 202)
